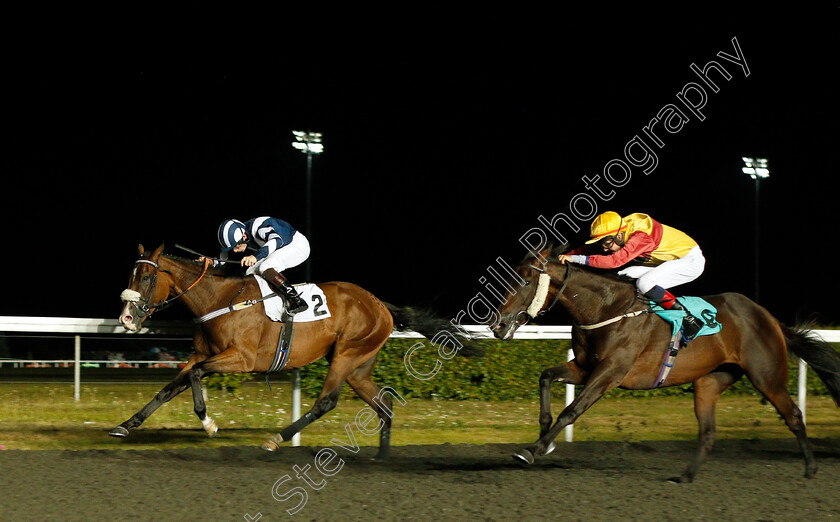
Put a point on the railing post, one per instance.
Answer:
(296, 403)
(803, 386)
(568, 431)
(77, 367)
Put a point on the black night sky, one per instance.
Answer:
(445, 140)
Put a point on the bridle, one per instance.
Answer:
(525, 316)
(538, 308)
(143, 303)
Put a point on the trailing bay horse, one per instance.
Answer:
(246, 340)
(629, 352)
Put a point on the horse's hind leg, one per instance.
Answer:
(379, 400)
(178, 385)
(707, 390)
(326, 401)
(773, 386)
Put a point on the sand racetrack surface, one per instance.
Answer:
(741, 480)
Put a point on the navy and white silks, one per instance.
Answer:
(275, 244)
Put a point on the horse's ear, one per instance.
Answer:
(140, 250)
(158, 252)
(556, 250)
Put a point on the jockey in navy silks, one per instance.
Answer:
(277, 246)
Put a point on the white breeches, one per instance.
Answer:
(291, 255)
(668, 274)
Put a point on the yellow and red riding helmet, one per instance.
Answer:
(606, 225)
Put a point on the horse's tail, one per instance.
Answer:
(820, 356)
(429, 325)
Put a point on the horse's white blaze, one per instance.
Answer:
(541, 295)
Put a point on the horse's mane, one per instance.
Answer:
(555, 250)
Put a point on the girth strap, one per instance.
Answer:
(668, 364)
(284, 344)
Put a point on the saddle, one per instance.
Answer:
(696, 306)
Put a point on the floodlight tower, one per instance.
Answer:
(756, 169)
(309, 143)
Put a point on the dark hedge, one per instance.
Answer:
(508, 370)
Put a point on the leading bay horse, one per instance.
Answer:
(246, 340)
(630, 351)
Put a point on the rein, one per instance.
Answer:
(232, 308)
(144, 306)
(613, 320)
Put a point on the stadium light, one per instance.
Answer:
(309, 143)
(757, 169)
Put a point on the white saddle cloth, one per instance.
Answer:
(311, 293)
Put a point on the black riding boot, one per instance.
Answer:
(294, 302)
(691, 325)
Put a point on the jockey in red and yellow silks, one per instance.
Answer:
(646, 241)
(655, 255)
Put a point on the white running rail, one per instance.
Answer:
(78, 326)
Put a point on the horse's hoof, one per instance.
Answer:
(210, 427)
(270, 445)
(525, 456)
(119, 431)
(551, 447)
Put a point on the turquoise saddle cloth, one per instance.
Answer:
(698, 307)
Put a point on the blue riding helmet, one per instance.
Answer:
(231, 233)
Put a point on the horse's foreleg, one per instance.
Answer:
(569, 373)
(231, 360)
(196, 374)
(604, 378)
(178, 385)
(707, 390)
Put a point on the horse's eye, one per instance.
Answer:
(527, 283)
(145, 278)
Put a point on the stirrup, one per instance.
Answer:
(294, 302)
(693, 325)
(295, 305)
